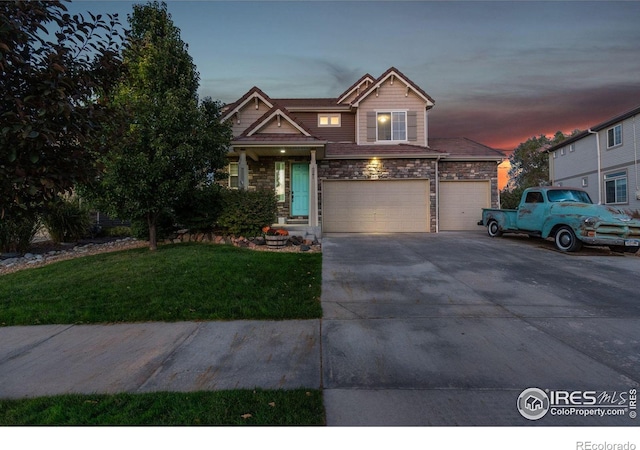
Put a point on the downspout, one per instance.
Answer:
(635, 151)
(599, 165)
(437, 196)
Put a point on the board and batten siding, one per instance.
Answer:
(285, 127)
(392, 98)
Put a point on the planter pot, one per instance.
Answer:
(276, 241)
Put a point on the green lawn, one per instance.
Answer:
(242, 407)
(175, 283)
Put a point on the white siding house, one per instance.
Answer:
(603, 160)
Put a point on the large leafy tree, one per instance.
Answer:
(173, 142)
(53, 68)
(529, 167)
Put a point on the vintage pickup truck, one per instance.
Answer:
(568, 216)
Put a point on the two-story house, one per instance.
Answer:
(360, 162)
(603, 160)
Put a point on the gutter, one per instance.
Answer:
(599, 165)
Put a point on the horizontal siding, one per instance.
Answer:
(584, 159)
(623, 154)
(392, 97)
(344, 133)
(570, 168)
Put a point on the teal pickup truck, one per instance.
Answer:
(568, 216)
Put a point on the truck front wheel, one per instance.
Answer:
(566, 240)
(493, 229)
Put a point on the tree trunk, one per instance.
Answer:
(153, 238)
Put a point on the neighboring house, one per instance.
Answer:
(603, 160)
(360, 162)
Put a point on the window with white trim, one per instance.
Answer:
(615, 187)
(585, 181)
(279, 187)
(392, 126)
(572, 148)
(328, 120)
(233, 175)
(614, 136)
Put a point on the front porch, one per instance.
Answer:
(292, 173)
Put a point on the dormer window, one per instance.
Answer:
(328, 120)
(392, 126)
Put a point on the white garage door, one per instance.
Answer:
(376, 206)
(461, 204)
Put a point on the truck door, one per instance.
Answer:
(531, 212)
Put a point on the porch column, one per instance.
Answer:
(313, 190)
(243, 171)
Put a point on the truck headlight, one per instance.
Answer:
(590, 221)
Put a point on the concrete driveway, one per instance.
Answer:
(450, 329)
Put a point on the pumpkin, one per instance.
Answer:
(282, 232)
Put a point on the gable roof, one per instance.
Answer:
(598, 127)
(276, 112)
(394, 73)
(310, 104)
(253, 93)
(365, 78)
(464, 148)
(341, 150)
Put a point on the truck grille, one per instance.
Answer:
(618, 230)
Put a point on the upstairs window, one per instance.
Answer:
(614, 136)
(615, 187)
(328, 120)
(392, 126)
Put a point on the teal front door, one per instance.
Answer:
(300, 190)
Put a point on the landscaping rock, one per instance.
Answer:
(47, 256)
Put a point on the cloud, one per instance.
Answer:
(504, 121)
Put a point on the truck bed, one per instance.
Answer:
(507, 218)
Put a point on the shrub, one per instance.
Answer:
(200, 209)
(17, 229)
(119, 231)
(510, 199)
(247, 212)
(66, 220)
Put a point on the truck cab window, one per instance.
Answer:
(534, 197)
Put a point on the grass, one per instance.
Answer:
(242, 407)
(175, 283)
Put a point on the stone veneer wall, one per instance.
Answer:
(262, 175)
(381, 169)
(472, 170)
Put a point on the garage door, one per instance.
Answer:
(461, 203)
(376, 206)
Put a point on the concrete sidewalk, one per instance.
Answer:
(186, 356)
(417, 330)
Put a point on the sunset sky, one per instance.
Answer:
(500, 72)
